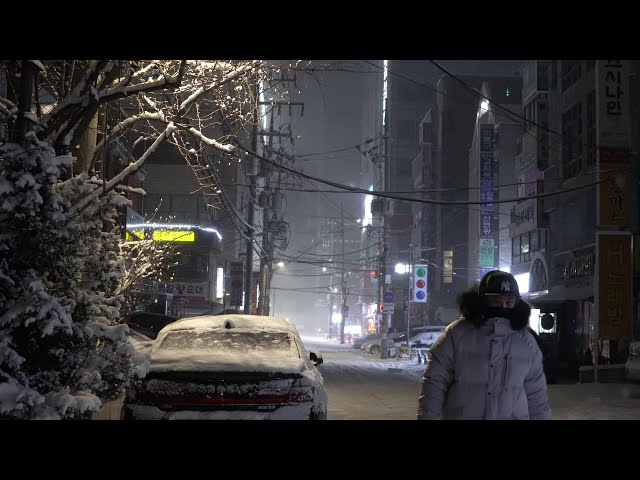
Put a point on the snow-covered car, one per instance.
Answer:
(426, 338)
(358, 342)
(230, 367)
(373, 346)
(632, 367)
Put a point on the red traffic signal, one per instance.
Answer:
(374, 274)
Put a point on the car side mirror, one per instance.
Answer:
(316, 358)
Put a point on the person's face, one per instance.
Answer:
(500, 301)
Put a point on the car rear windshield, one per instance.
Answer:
(225, 340)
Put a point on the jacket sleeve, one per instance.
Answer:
(437, 378)
(535, 386)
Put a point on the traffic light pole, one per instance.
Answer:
(386, 317)
(342, 281)
(409, 270)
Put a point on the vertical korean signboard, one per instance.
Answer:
(614, 259)
(486, 258)
(614, 295)
(612, 125)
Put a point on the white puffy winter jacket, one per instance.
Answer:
(492, 372)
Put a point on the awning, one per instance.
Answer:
(560, 293)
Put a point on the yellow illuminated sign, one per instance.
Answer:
(174, 236)
(137, 235)
(163, 235)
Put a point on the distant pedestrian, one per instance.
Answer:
(486, 365)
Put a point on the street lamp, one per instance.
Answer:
(402, 268)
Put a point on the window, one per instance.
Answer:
(572, 141)
(591, 128)
(534, 245)
(228, 340)
(156, 207)
(571, 73)
(427, 133)
(543, 76)
(530, 114)
(515, 250)
(524, 247)
(185, 208)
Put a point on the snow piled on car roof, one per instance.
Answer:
(232, 320)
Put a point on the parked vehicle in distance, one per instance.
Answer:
(373, 346)
(357, 343)
(632, 366)
(219, 367)
(426, 338)
(148, 323)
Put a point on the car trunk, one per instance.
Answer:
(261, 391)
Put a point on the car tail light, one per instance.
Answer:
(226, 400)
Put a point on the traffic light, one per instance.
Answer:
(420, 284)
(374, 274)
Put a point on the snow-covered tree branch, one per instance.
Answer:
(65, 273)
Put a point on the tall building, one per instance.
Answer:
(430, 121)
(592, 131)
(492, 176)
(458, 134)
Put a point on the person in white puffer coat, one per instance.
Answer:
(487, 365)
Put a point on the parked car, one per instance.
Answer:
(230, 367)
(149, 323)
(357, 343)
(426, 338)
(373, 346)
(632, 366)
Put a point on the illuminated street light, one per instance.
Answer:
(402, 268)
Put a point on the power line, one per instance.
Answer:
(434, 190)
(420, 200)
(429, 87)
(503, 108)
(366, 142)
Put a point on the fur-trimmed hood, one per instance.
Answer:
(472, 308)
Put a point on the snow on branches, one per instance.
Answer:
(65, 273)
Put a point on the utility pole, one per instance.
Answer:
(343, 280)
(330, 302)
(248, 267)
(266, 268)
(265, 260)
(386, 316)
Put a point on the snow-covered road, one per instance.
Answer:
(362, 387)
